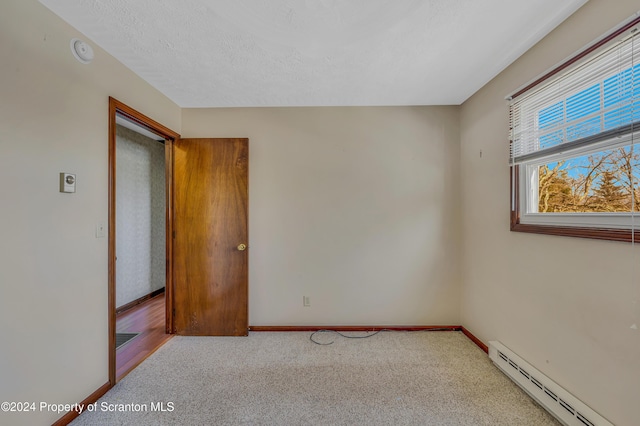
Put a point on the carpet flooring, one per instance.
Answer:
(393, 378)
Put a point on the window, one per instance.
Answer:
(575, 151)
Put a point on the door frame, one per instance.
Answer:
(118, 108)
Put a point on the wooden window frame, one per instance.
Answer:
(610, 234)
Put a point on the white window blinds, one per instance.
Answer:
(595, 101)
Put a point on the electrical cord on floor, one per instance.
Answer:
(373, 333)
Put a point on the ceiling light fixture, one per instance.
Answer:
(81, 51)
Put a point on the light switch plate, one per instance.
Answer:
(100, 230)
(67, 182)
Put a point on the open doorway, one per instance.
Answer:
(140, 243)
(140, 262)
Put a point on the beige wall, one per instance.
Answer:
(564, 304)
(53, 270)
(356, 208)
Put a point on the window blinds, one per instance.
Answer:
(594, 101)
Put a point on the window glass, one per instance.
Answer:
(594, 183)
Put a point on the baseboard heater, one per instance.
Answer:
(556, 400)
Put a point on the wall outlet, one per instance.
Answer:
(306, 301)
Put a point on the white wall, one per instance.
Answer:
(140, 216)
(53, 270)
(356, 208)
(564, 304)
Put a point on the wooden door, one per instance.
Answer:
(210, 225)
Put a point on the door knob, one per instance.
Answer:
(242, 247)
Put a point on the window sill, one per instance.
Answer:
(610, 234)
(596, 233)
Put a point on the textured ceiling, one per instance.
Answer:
(223, 53)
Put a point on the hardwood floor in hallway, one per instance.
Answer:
(148, 319)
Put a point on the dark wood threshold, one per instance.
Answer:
(71, 415)
(139, 300)
(121, 372)
(148, 319)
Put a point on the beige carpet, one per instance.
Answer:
(393, 378)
